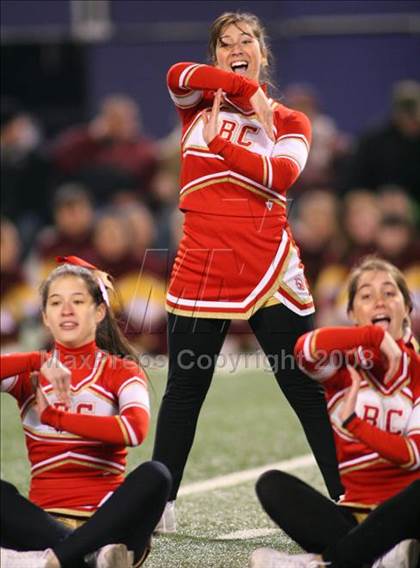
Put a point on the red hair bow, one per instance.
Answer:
(77, 261)
(104, 279)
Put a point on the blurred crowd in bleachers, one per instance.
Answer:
(108, 193)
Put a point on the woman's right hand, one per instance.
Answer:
(393, 354)
(60, 378)
(41, 401)
(211, 118)
(264, 112)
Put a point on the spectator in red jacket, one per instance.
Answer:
(109, 154)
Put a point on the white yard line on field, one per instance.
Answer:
(248, 533)
(246, 475)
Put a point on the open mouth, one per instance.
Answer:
(382, 320)
(68, 325)
(239, 67)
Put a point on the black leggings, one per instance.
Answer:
(129, 516)
(321, 526)
(194, 345)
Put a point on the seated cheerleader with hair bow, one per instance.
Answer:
(91, 402)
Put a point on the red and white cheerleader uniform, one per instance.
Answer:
(378, 447)
(78, 454)
(237, 253)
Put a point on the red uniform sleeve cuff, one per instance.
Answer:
(251, 87)
(351, 422)
(51, 416)
(376, 334)
(36, 360)
(217, 144)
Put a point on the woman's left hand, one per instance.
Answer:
(264, 112)
(210, 118)
(350, 398)
(393, 353)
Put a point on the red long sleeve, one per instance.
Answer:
(278, 170)
(16, 363)
(330, 339)
(396, 448)
(128, 429)
(316, 352)
(188, 76)
(284, 172)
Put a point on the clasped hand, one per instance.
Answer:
(60, 378)
(390, 349)
(259, 103)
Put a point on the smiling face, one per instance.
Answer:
(379, 301)
(239, 50)
(70, 312)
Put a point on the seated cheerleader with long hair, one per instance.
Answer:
(89, 404)
(371, 376)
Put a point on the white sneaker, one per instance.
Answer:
(404, 555)
(167, 523)
(269, 558)
(31, 559)
(110, 556)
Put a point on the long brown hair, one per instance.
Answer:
(374, 263)
(237, 18)
(108, 334)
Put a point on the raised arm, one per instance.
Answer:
(187, 81)
(13, 364)
(321, 352)
(53, 370)
(128, 428)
